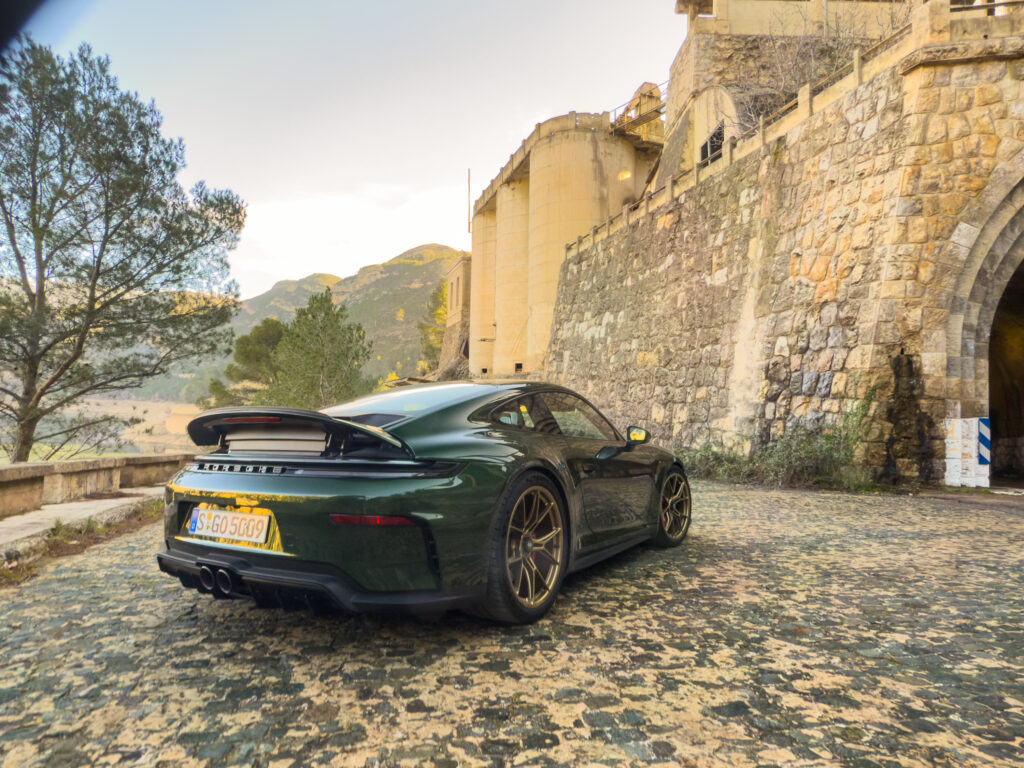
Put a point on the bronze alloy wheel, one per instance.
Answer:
(675, 506)
(533, 547)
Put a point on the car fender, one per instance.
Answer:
(560, 477)
(667, 463)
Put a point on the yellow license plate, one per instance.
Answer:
(251, 526)
(242, 526)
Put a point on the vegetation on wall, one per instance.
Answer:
(805, 455)
(792, 57)
(110, 273)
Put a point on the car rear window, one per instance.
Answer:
(399, 404)
(529, 413)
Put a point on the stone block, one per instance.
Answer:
(958, 126)
(20, 495)
(809, 382)
(987, 94)
(141, 471)
(67, 485)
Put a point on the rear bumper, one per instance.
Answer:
(289, 583)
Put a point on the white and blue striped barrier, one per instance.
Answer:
(968, 452)
(984, 441)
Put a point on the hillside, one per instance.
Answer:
(281, 300)
(387, 299)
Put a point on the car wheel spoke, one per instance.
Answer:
(527, 576)
(542, 541)
(537, 577)
(529, 512)
(539, 517)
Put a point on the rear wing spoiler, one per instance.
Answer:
(255, 427)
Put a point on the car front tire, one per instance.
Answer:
(675, 510)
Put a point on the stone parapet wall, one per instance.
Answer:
(27, 486)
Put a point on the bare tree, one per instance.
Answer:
(793, 54)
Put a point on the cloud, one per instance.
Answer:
(337, 234)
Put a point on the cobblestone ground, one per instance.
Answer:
(790, 629)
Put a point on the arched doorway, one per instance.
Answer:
(986, 307)
(1006, 383)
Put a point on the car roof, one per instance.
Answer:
(408, 403)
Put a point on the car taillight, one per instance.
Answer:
(385, 520)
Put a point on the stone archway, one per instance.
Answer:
(988, 287)
(1006, 382)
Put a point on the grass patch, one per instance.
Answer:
(64, 539)
(16, 573)
(804, 456)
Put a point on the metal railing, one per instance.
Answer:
(620, 110)
(632, 116)
(984, 6)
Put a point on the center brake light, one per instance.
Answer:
(375, 520)
(253, 420)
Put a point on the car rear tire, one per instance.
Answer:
(675, 510)
(529, 551)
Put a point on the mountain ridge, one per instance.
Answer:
(386, 299)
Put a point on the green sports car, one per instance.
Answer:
(471, 496)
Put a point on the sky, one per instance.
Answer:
(348, 127)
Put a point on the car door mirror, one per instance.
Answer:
(637, 435)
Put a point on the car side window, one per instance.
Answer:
(525, 413)
(577, 418)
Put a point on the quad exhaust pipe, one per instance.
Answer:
(224, 582)
(219, 582)
(206, 578)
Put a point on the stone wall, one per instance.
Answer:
(27, 486)
(648, 322)
(846, 254)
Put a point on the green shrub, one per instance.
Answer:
(821, 456)
(711, 463)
